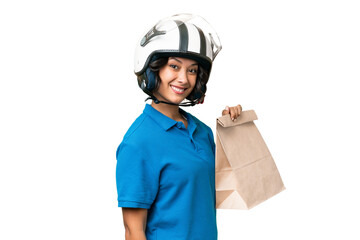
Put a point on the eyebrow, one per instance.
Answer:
(181, 61)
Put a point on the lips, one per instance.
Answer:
(178, 90)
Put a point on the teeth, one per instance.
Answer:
(177, 89)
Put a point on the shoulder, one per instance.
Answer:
(136, 126)
(134, 136)
(139, 130)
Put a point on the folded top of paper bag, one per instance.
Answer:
(245, 116)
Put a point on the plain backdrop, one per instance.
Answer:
(68, 94)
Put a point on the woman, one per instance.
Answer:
(166, 162)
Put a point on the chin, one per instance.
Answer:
(171, 98)
(177, 101)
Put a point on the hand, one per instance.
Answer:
(233, 111)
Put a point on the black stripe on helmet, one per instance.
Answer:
(184, 36)
(202, 42)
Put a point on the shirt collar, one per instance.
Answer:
(165, 122)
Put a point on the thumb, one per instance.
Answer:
(225, 111)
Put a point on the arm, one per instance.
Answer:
(135, 223)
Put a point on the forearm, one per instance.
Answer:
(134, 235)
(135, 223)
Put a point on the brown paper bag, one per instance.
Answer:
(246, 174)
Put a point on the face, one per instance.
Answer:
(178, 78)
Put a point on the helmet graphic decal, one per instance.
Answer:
(184, 36)
(202, 41)
(152, 33)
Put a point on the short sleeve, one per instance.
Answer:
(136, 182)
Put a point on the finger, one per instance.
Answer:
(236, 110)
(232, 113)
(240, 108)
(225, 111)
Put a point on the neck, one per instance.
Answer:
(172, 111)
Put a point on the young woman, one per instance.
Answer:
(166, 161)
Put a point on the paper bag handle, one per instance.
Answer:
(245, 116)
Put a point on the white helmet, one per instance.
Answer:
(181, 35)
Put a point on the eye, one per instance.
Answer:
(194, 70)
(173, 66)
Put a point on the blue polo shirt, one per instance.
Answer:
(169, 170)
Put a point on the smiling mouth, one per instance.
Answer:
(178, 90)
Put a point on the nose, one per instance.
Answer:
(183, 76)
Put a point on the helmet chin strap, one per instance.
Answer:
(185, 104)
